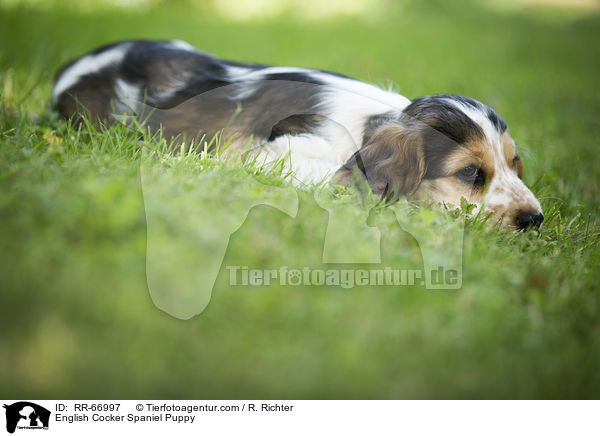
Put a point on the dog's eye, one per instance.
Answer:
(469, 172)
(472, 175)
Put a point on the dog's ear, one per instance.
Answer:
(392, 161)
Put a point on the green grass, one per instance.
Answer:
(77, 319)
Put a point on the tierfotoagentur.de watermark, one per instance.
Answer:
(189, 229)
(344, 278)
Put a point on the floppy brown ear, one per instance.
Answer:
(392, 161)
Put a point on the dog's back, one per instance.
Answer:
(173, 86)
(184, 91)
(128, 72)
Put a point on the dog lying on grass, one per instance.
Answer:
(325, 126)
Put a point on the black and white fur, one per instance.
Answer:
(324, 125)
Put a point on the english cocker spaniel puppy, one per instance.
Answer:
(323, 125)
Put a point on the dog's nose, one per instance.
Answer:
(529, 218)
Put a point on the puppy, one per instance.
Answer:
(322, 125)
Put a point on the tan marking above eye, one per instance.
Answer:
(472, 153)
(518, 165)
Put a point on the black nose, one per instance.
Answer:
(530, 218)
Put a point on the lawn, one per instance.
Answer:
(77, 317)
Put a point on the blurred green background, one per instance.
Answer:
(76, 318)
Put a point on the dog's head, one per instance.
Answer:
(442, 148)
